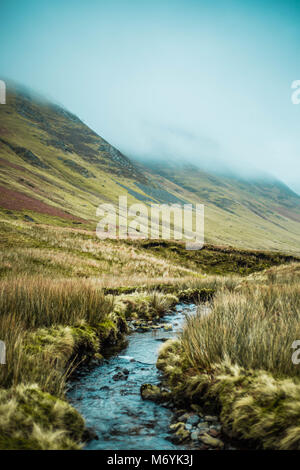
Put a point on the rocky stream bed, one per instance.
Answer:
(112, 396)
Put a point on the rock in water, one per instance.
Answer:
(193, 420)
(120, 376)
(180, 435)
(195, 435)
(211, 441)
(174, 427)
(153, 393)
(168, 327)
(211, 419)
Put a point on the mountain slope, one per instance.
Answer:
(54, 169)
(254, 213)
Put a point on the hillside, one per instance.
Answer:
(254, 213)
(55, 170)
(68, 299)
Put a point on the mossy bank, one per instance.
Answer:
(34, 413)
(67, 297)
(237, 362)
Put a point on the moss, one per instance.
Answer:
(107, 331)
(120, 307)
(153, 393)
(135, 304)
(43, 407)
(145, 305)
(63, 343)
(17, 443)
(42, 338)
(32, 419)
(253, 405)
(86, 340)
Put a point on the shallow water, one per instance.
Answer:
(114, 408)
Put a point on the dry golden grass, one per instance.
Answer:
(37, 316)
(45, 323)
(254, 328)
(49, 251)
(44, 302)
(238, 359)
(53, 307)
(40, 356)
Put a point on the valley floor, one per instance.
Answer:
(65, 297)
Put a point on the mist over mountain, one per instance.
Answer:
(203, 82)
(167, 145)
(55, 169)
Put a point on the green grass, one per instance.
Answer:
(216, 260)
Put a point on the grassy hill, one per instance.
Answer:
(55, 170)
(254, 213)
(66, 296)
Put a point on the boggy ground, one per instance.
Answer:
(66, 296)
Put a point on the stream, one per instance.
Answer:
(108, 395)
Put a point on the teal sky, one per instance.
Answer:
(202, 81)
